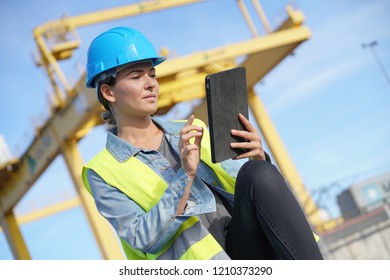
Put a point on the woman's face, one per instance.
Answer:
(135, 91)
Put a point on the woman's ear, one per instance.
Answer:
(107, 93)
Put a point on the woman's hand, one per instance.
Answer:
(190, 153)
(253, 141)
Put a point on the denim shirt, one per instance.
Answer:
(150, 231)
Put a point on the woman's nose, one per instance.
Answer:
(150, 82)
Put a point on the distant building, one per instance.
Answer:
(5, 154)
(364, 196)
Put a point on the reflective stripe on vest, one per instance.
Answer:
(191, 241)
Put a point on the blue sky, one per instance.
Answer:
(329, 101)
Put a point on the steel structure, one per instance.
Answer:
(76, 109)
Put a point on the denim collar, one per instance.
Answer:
(122, 150)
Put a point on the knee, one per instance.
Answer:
(258, 171)
(261, 175)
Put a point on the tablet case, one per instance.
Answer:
(226, 95)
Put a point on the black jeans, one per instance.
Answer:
(267, 221)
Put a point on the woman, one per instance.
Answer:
(155, 183)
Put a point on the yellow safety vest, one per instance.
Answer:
(120, 175)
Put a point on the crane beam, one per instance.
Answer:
(112, 14)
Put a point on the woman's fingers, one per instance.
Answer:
(190, 131)
(187, 136)
(246, 123)
(252, 141)
(190, 143)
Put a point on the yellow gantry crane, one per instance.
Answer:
(76, 110)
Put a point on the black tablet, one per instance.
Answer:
(226, 95)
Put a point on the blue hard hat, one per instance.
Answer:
(116, 47)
